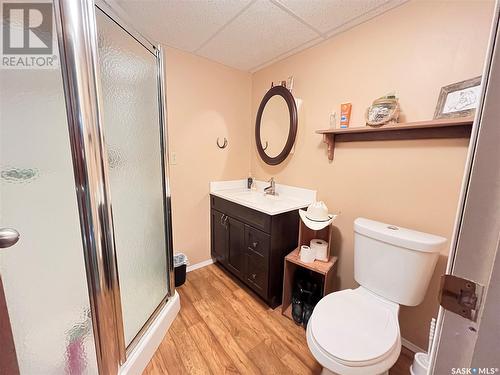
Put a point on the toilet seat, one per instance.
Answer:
(355, 332)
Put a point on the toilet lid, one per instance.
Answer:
(354, 326)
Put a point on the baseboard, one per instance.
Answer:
(409, 345)
(200, 265)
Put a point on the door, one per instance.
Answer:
(219, 236)
(130, 110)
(236, 247)
(45, 314)
(111, 74)
(463, 343)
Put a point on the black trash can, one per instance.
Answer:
(180, 264)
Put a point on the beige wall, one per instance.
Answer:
(414, 49)
(205, 100)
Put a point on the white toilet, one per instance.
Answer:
(356, 331)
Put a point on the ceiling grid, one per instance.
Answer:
(248, 34)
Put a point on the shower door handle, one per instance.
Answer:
(8, 237)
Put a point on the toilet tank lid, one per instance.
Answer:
(398, 236)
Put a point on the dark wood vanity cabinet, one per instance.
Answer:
(252, 245)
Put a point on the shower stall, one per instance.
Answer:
(86, 265)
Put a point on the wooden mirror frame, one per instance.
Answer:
(292, 131)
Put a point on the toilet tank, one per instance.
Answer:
(394, 262)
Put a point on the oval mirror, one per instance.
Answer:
(276, 125)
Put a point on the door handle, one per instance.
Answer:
(8, 237)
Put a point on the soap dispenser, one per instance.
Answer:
(249, 181)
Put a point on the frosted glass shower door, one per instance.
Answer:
(131, 126)
(43, 275)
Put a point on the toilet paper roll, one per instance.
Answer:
(307, 255)
(320, 248)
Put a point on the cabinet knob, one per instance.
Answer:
(254, 244)
(254, 275)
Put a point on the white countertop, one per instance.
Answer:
(289, 198)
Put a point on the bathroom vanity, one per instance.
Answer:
(251, 232)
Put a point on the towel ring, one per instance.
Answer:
(224, 145)
(265, 147)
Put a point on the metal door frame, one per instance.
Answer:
(77, 38)
(457, 343)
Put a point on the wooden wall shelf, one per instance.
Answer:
(443, 128)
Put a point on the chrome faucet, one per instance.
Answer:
(271, 189)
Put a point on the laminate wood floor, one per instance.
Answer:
(223, 328)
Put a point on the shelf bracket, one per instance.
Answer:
(329, 139)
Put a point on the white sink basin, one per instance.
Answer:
(257, 197)
(289, 198)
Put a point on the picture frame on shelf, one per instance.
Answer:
(459, 99)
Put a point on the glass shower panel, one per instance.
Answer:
(43, 274)
(130, 117)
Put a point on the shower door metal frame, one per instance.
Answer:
(77, 37)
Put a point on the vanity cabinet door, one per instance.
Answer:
(236, 249)
(219, 236)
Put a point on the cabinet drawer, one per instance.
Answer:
(257, 241)
(257, 272)
(247, 215)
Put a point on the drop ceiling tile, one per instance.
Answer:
(184, 24)
(259, 34)
(291, 52)
(328, 15)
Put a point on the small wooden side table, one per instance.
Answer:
(324, 270)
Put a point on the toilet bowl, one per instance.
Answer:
(356, 331)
